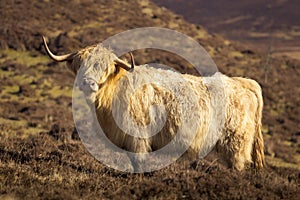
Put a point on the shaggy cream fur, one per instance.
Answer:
(226, 110)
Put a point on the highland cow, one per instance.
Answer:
(105, 78)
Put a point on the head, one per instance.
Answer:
(92, 65)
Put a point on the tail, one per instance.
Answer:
(258, 156)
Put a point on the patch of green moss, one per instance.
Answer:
(47, 83)
(283, 66)
(10, 89)
(236, 54)
(5, 74)
(227, 42)
(238, 71)
(202, 34)
(274, 113)
(10, 93)
(24, 79)
(10, 127)
(278, 162)
(57, 91)
(211, 50)
(287, 143)
(17, 128)
(23, 57)
(77, 30)
(265, 129)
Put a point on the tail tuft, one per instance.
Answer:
(258, 156)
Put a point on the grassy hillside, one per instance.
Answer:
(40, 153)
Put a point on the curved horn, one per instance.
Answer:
(61, 58)
(132, 61)
(125, 65)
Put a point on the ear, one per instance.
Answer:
(71, 67)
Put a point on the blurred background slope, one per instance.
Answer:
(266, 25)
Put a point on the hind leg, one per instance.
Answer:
(236, 147)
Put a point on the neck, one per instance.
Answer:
(106, 91)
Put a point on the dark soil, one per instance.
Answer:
(41, 156)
